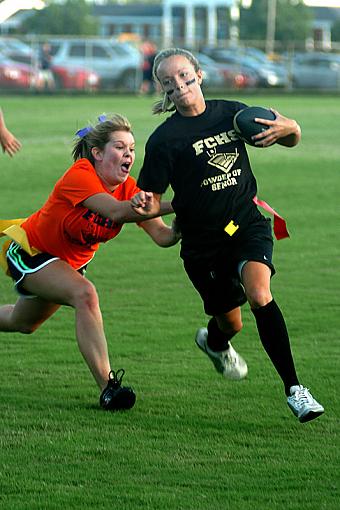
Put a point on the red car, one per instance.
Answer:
(75, 79)
(24, 69)
(239, 78)
(16, 75)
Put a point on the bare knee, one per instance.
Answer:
(86, 297)
(258, 297)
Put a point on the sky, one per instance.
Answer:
(311, 3)
(324, 3)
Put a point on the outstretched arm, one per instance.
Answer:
(8, 141)
(282, 130)
(145, 207)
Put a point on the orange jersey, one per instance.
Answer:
(65, 228)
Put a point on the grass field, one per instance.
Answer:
(193, 441)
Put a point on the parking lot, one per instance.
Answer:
(97, 64)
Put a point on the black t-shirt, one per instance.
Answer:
(207, 166)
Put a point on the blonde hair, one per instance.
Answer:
(166, 105)
(98, 135)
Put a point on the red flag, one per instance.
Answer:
(280, 227)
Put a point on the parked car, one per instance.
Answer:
(13, 47)
(16, 75)
(315, 70)
(270, 74)
(117, 64)
(212, 74)
(223, 75)
(66, 77)
(75, 79)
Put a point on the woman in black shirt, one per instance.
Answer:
(227, 243)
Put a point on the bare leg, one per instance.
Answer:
(26, 315)
(230, 322)
(222, 328)
(56, 284)
(256, 281)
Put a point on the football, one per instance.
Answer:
(245, 125)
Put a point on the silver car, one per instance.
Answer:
(270, 74)
(117, 64)
(315, 70)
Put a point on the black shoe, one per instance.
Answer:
(116, 397)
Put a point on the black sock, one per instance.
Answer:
(217, 340)
(274, 337)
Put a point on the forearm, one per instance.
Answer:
(165, 208)
(142, 208)
(126, 213)
(166, 237)
(292, 138)
(162, 234)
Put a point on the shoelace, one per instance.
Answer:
(232, 359)
(301, 395)
(115, 378)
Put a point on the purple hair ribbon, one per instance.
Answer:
(87, 129)
(84, 131)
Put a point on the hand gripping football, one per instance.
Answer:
(245, 125)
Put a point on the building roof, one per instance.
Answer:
(128, 10)
(326, 13)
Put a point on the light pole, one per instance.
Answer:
(235, 18)
(271, 21)
(234, 28)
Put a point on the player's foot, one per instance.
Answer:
(228, 363)
(303, 405)
(116, 397)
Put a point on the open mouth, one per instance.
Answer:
(126, 167)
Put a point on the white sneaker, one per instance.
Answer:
(303, 405)
(228, 363)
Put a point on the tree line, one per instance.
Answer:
(293, 21)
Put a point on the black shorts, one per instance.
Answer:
(218, 279)
(20, 264)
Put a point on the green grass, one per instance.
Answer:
(193, 440)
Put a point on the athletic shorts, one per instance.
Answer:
(218, 280)
(20, 264)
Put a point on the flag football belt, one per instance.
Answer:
(280, 227)
(13, 230)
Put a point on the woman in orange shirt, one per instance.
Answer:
(88, 205)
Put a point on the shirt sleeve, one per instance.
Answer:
(79, 183)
